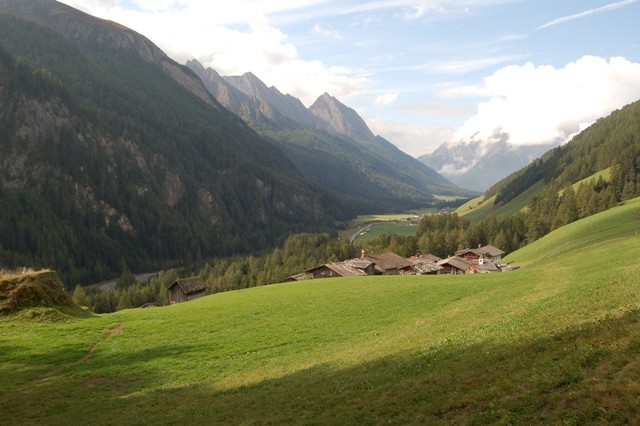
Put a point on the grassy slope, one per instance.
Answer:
(477, 209)
(556, 341)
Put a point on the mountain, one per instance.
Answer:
(477, 166)
(596, 169)
(331, 145)
(113, 156)
(340, 119)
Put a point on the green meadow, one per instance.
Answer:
(375, 230)
(554, 342)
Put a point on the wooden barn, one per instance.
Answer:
(186, 289)
(390, 264)
(454, 265)
(491, 253)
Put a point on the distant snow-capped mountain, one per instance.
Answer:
(477, 165)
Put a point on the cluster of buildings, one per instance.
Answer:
(485, 259)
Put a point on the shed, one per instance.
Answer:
(186, 289)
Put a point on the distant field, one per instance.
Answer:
(555, 342)
(366, 227)
(381, 228)
(448, 197)
(384, 217)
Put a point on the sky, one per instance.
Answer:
(420, 72)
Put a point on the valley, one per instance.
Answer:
(523, 346)
(289, 287)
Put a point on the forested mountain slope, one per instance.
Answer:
(111, 154)
(330, 144)
(592, 173)
(613, 141)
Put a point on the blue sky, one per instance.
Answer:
(420, 72)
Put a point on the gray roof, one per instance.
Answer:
(342, 268)
(487, 266)
(190, 285)
(427, 258)
(456, 262)
(491, 251)
(485, 251)
(388, 261)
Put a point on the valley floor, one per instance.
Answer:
(557, 341)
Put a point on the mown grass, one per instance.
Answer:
(480, 209)
(382, 228)
(555, 342)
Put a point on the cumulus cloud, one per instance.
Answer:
(414, 139)
(233, 39)
(386, 99)
(543, 104)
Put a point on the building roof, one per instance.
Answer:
(426, 264)
(388, 261)
(190, 285)
(342, 269)
(426, 258)
(485, 251)
(456, 262)
(491, 251)
(487, 266)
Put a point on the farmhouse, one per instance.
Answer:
(389, 264)
(454, 265)
(484, 266)
(186, 289)
(468, 261)
(488, 252)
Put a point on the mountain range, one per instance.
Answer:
(114, 156)
(477, 165)
(330, 144)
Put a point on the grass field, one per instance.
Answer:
(381, 228)
(555, 342)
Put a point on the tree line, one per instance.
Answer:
(441, 235)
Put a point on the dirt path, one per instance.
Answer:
(112, 332)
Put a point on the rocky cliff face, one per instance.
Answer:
(91, 32)
(340, 118)
(103, 158)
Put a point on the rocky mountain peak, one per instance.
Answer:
(340, 118)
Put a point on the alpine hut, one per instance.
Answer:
(186, 289)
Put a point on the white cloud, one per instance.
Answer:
(414, 139)
(534, 105)
(325, 31)
(233, 39)
(386, 99)
(586, 13)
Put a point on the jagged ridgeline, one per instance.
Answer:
(111, 151)
(331, 145)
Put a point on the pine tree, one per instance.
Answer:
(80, 296)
